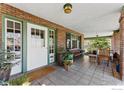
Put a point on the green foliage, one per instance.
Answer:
(19, 81)
(67, 62)
(68, 58)
(100, 42)
(6, 57)
(68, 55)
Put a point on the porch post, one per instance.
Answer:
(122, 44)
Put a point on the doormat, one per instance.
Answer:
(39, 73)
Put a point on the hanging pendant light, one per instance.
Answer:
(67, 8)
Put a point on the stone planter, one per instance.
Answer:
(66, 67)
(5, 71)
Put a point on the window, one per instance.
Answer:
(41, 34)
(73, 41)
(68, 40)
(37, 32)
(13, 37)
(10, 24)
(38, 35)
(51, 41)
(17, 26)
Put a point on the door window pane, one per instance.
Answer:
(10, 30)
(42, 34)
(10, 44)
(32, 32)
(37, 32)
(17, 25)
(17, 31)
(10, 24)
(17, 41)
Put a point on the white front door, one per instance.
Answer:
(36, 46)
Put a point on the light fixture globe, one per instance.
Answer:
(67, 8)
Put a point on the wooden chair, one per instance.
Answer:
(104, 55)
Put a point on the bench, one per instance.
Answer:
(76, 52)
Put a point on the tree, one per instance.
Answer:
(100, 42)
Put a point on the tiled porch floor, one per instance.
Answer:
(81, 73)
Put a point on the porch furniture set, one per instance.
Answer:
(104, 56)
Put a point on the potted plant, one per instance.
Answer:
(67, 63)
(5, 66)
(68, 60)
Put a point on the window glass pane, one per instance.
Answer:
(10, 33)
(17, 31)
(74, 44)
(17, 25)
(17, 41)
(68, 40)
(10, 30)
(32, 32)
(37, 32)
(10, 44)
(42, 34)
(9, 24)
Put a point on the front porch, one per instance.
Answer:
(41, 41)
(82, 72)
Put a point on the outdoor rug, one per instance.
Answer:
(39, 73)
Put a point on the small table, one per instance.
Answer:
(92, 58)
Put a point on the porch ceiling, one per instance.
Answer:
(90, 19)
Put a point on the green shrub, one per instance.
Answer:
(19, 81)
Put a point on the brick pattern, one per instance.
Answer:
(116, 42)
(122, 46)
(9, 10)
(0, 28)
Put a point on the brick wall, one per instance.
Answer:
(9, 10)
(0, 27)
(116, 42)
(62, 38)
(122, 45)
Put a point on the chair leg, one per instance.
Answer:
(108, 63)
(98, 61)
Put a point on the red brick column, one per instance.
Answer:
(122, 46)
